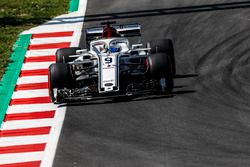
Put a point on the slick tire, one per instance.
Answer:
(160, 68)
(62, 55)
(163, 46)
(59, 78)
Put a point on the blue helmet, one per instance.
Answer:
(114, 48)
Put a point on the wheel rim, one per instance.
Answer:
(163, 84)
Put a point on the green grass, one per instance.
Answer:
(19, 15)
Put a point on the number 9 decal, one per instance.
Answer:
(108, 60)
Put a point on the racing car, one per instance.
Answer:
(112, 66)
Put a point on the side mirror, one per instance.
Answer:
(136, 46)
(80, 52)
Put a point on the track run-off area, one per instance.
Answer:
(205, 122)
(31, 126)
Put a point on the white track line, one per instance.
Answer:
(15, 109)
(30, 93)
(77, 37)
(51, 146)
(32, 79)
(66, 19)
(23, 124)
(77, 33)
(36, 66)
(60, 114)
(20, 157)
(55, 123)
(82, 7)
(50, 40)
(51, 28)
(23, 140)
(40, 52)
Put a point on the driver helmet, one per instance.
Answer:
(114, 48)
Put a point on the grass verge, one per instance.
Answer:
(19, 15)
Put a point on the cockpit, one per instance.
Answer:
(110, 45)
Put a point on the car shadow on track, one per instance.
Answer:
(111, 101)
(141, 98)
(183, 90)
(185, 75)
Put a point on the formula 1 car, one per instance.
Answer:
(111, 67)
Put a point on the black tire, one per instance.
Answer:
(59, 77)
(163, 46)
(160, 67)
(62, 55)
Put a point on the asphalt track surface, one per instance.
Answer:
(205, 123)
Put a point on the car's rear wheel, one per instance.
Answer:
(63, 54)
(161, 69)
(59, 78)
(163, 46)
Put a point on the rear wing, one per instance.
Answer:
(125, 30)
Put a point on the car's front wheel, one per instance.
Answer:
(63, 54)
(163, 46)
(161, 69)
(59, 78)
